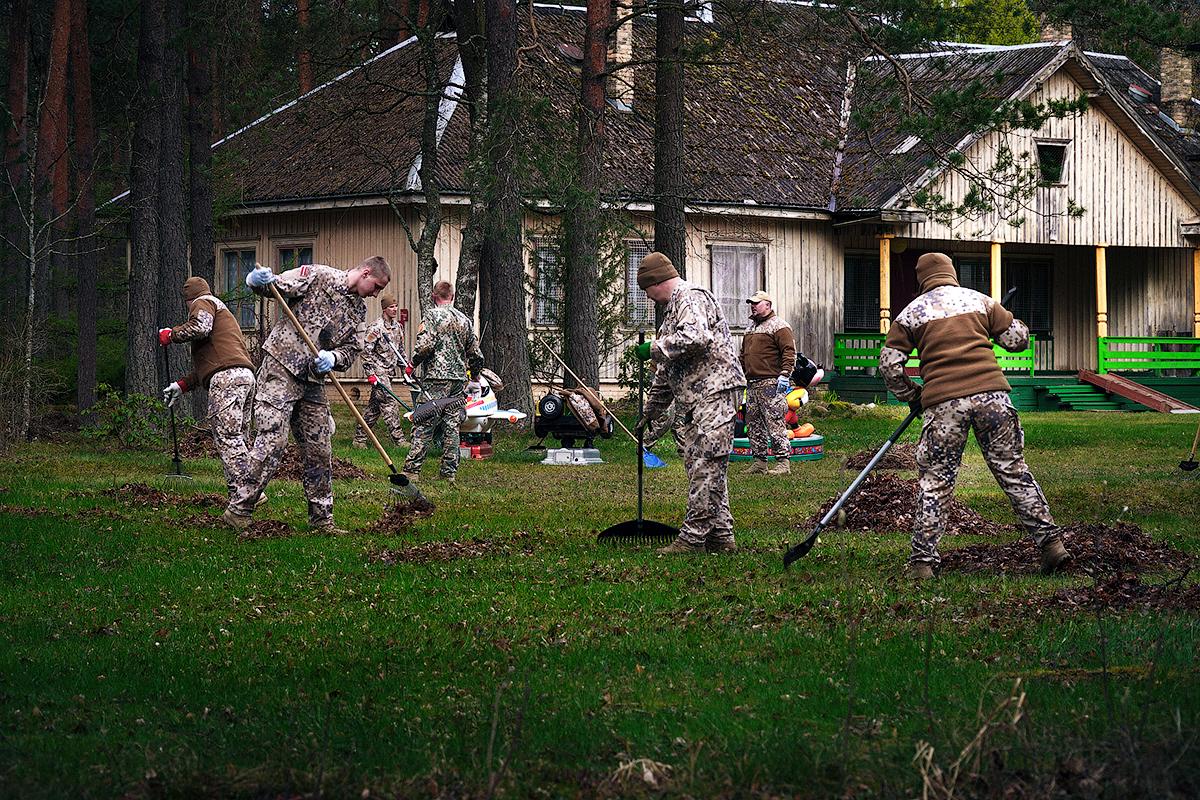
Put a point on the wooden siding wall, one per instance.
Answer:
(803, 260)
(1127, 201)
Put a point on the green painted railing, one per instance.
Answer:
(1147, 353)
(860, 351)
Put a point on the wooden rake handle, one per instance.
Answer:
(611, 415)
(337, 384)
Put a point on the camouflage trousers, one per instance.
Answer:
(658, 428)
(381, 403)
(706, 429)
(765, 410)
(282, 403)
(998, 431)
(229, 393)
(424, 435)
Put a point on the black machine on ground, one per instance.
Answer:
(554, 418)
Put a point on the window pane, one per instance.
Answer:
(975, 272)
(547, 301)
(240, 300)
(737, 273)
(639, 308)
(861, 290)
(1033, 303)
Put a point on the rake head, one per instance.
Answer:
(427, 412)
(637, 531)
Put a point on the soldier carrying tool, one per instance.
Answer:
(698, 368)
(383, 357)
(449, 352)
(951, 327)
(328, 304)
(221, 364)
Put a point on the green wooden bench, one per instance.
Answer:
(860, 351)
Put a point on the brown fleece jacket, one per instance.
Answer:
(768, 348)
(216, 337)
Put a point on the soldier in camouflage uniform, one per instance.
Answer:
(221, 364)
(697, 368)
(382, 358)
(951, 327)
(768, 358)
(328, 302)
(449, 352)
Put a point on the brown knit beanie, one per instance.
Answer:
(936, 269)
(655, 268)
(387, 301)
(195, 287)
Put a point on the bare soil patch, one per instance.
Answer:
(1122, 593)
(401, 516)
(266, 529)
(139, 494)
(900, 456)
(475, 547)
(887, 503)
(1095, 548)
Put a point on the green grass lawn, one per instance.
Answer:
(145, 654)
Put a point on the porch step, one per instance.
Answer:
(1083, 397)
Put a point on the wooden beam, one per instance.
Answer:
(885, 281)
(997, 289)
(1101, 291)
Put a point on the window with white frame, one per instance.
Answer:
(639, 308)
(860, 292)
(235, 266)
(738, 271)
(1052, 161)
(548, 294)
(1033, 303)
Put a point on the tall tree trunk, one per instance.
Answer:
(468, 26)
(51, 175)
(200, 138)
(432, 225)
(304, 59)
(86, 257)
(141, 348)
(669, 230)
(172, 202)
(581, 263)
(506, 344)
(15, 149)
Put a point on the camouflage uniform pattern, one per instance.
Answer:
(229, 393)
(660, 426)
(383, 343)
(449, 353)
(291, 394)
(697, 368)
(765, 410)
(998, 431)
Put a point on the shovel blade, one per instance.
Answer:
(801, 550)
(634, 531)
(1188, 466)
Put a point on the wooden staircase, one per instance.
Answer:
(1083, 397)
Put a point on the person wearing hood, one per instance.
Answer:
(768, 358)
(221, 364)
(951, 328)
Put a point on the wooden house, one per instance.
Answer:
(783, 193)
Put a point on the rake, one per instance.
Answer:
(638, 530)
(178, 474)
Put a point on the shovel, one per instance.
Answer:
(1189, 464)
(179, 474)
(374, 381)
(637, 530)
(400, 484)
(801, 550)
(648, 458)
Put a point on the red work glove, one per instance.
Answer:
(371, 379)
(164, 336)
(408, 370)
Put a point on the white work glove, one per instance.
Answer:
(172, 393)
(782, 385)
(260, 276)
(324, 362)
(474, 388)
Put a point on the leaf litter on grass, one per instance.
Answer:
(1095, 548)
(196, 443)
(401, 516)
(886, 503)
(900, 456)
(1122, 592)
(475, 547)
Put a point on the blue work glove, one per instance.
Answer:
(260, 276)
(324, 362)
(783, 385)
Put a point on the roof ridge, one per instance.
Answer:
(966, 48)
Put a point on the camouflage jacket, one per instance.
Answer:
(383, 349)
(693, 350)
(446, 345)
(333, 316)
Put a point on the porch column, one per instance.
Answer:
(1196, 293)
(1101, 291)
(997, 288)
(885, 281)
